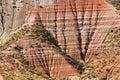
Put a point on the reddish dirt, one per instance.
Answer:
(77, 25)
(79, 28)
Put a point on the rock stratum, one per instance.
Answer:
(80, 44)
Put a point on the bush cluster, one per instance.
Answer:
(115, 3)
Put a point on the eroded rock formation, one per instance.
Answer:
(80, 28)
(12, 15)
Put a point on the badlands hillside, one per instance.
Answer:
(59, 40)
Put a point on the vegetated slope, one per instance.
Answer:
(115, 3)
(13, 65)
(37, 49)
(37, 53)
(115, 48)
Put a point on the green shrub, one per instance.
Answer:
(42, 34)
(117, 37)
(26, 76)
(14, 38)
(18, 48)
(115, 3)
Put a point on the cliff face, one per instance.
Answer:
(13, 14)
(81, 28)
(45, 60)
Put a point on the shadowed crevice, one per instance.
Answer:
(75, 14)
(55, 21)
(63, 29)
(2, 17)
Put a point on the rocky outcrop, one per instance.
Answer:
(41, 57)
(80, 28)
(12, 15)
